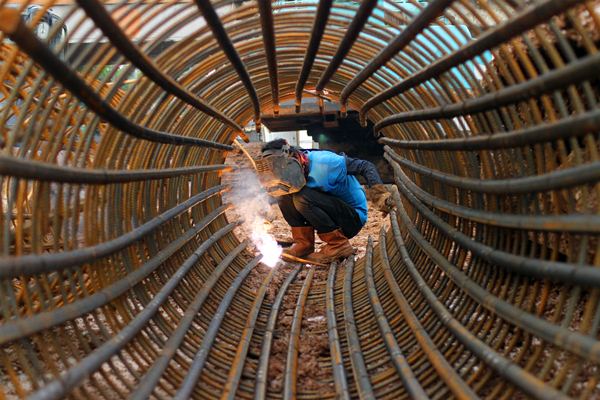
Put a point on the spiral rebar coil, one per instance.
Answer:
(120, 275)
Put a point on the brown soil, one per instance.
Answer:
(313, 351)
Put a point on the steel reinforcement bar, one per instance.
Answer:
(121, 275)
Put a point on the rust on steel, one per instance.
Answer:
(268, 32)
(34, 47)
(98, 13)
(122, 277)
(316, 36)
(267, 340)
(352, 32)
(291, 365)
(422, 20)
(527, 19)
(213, 20)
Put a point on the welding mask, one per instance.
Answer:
(280, 172)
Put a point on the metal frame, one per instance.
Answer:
(120, 275)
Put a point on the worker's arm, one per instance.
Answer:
(364, 168)
(376, 191)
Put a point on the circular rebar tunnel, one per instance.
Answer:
(120, 275)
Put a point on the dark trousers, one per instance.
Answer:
(326, 213)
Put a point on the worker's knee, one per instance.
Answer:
(301, 200)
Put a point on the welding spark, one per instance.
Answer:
(265, 243)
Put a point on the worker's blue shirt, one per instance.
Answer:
(327, 173)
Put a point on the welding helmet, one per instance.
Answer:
(280, 171)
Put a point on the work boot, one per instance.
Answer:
(336, 246)
(304, 241)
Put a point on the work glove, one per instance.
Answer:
(380, 197)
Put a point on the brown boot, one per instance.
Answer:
(304, 241)
(337, 246)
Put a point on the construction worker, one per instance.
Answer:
(318, 190)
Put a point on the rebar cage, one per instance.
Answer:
(120, 275)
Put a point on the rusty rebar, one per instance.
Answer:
(29, 43)
(316, 36)
(97, 12)
(360, 19)
(266, 20)
(407, 35)
(527, 19)
(220, 34)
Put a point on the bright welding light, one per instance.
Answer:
(265, 243)
(252, 204)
